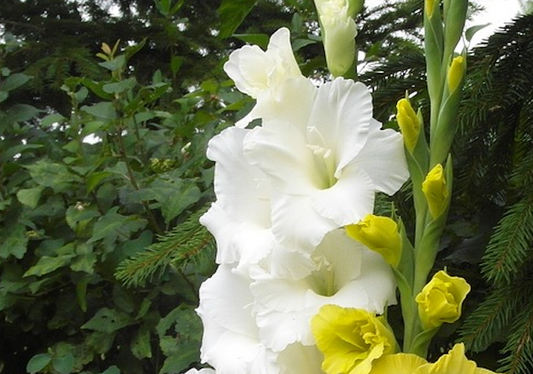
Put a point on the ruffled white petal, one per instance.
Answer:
(341, 116)
(300, 359)
(345, 274)
(387, 145)
(230, 341)
(255, 71)
(241, 189)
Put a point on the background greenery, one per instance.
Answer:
(103, 173)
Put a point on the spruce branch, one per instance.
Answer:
(176, 248)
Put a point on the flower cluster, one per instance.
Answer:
(285, 191)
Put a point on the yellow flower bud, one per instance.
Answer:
(350, 339)
(380, 234)
(441, 300)
(408, 122)
(456, 73)
(435, 190)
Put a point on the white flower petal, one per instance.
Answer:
(386, 144)
(239, 243)
(241, 189)
(346, 274)
(281, 152)
(341, 116)
(255, 71)
(300, 359)
(230, 342)
(349, 200)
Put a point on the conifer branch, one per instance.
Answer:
(177, 248)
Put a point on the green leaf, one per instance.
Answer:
(471, 31)
(140, 345)
(30, 196)
(232, 13)
(119, 87)
(112, 370)
(108, 321)
(174, 196)
(113, 224)
(103, 110)
(38, 362)
(78, 213)
(64, 364)
(14, 81)
(13, 241)
(94, 179)
(259, 39)
(48, 264)
(81, 293)
(51, 119)
(20, 113)
(175, 64)
(179, 357)
(115, 64)
(49, 174)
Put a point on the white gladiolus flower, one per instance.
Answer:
(230, 341)
(325, 168)
(201, 371)
(255, 71)
(338, 34)
(272, 77)
(240, 218)
(346, 274)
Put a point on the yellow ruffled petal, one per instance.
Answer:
(400, 363)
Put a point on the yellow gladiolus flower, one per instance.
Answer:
(456, 73)
(441, 300)
(400, 363)
(455, 362)
(408, 122)
(350, 339)
(436, 191)
(379, 234)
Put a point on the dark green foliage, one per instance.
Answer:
(494, 179)
(80, 195)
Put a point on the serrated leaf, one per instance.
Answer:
(49, 174)
(174, 196)
(38, 362)
(108, 321)
(13, 241)
(113, 224)
(48, 264)
(140, 345)
(181, 358)
(30, 197)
